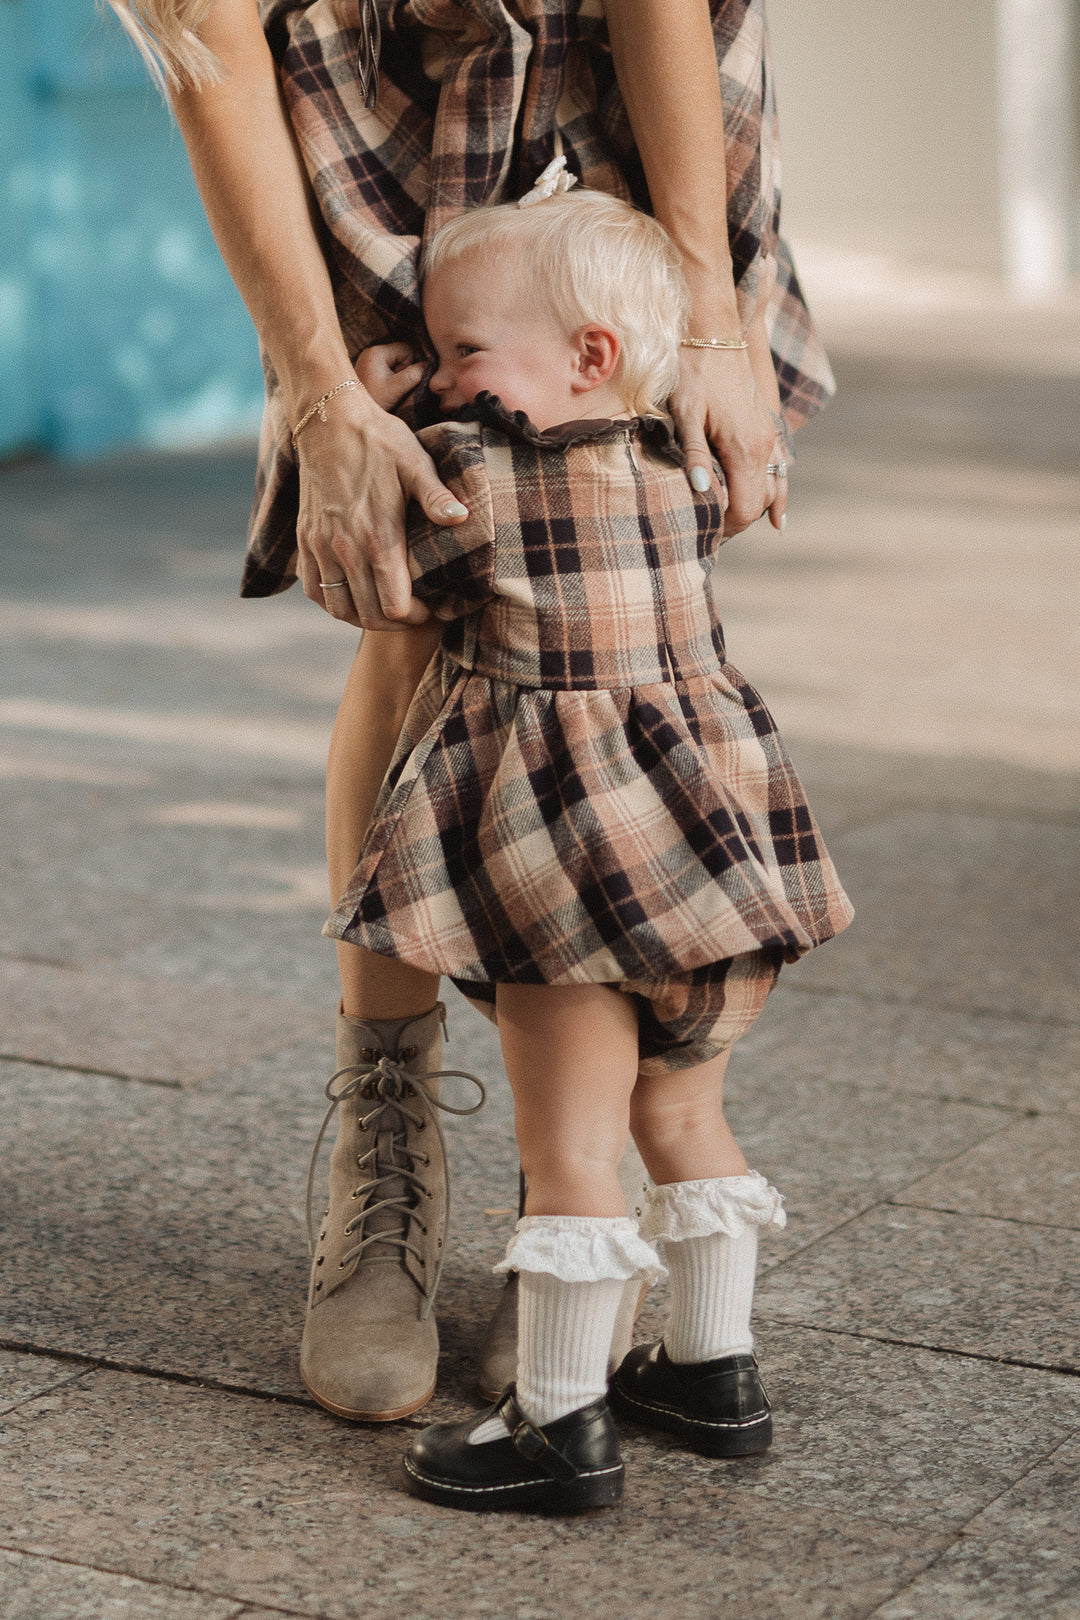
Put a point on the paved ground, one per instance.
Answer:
(912, 1088)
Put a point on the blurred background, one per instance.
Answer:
(930, 174)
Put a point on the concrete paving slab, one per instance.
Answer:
(848, 785)
(24, 1377)
(145, 1029)
(154, 1227)
(835, 1149)
(996, 1580)
(969, 1284)
(51, 1589)
(856, 1040)
(177, 1240)
(1040, 1509)
(915, 610)
(959, 912)
(1028, 1172)
(281, 1506)
(190, 1257)
(193, 875)
(913, 1438)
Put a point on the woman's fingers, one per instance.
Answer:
(355, 485)
(778, 482)
(420, 480)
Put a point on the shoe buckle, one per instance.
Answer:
(530, 1441)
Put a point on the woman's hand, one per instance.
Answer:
(718, 408)
(358, 471)
(729, 399)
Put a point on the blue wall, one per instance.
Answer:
(119, 325)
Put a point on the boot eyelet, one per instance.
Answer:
(423, 1231)
(407, 1054)
(320, 1260)
(318, 1285)
(341, 1265)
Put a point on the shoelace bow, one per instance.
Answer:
(387, 1083)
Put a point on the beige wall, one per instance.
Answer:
(888, 127)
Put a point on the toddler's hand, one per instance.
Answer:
(389, 371)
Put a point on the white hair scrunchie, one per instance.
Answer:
(553, 179)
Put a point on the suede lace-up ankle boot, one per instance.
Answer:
(370, 1344)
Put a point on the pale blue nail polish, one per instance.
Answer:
(699, 479)
(783, 522)
(455, 509)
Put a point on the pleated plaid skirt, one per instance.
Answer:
(585, 790)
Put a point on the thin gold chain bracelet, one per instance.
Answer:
(319, 408)
(713, 343)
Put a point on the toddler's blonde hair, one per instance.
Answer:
(166, 34)
(598, 260)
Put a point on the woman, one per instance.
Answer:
(324, 156)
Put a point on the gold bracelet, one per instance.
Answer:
(319, 407)
(713, 343)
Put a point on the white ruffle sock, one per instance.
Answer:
(709, 1230)
(573, 1270)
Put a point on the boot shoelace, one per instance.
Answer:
(388, 1083)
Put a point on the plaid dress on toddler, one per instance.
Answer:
(585, 791)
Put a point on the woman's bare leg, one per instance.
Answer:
(370, 1346)
(384, 675)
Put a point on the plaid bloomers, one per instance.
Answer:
(585, 791)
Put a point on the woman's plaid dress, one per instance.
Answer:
(475, 98)
(585, 791)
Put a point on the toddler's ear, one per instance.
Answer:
(598, 349)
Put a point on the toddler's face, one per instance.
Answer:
(492, 328)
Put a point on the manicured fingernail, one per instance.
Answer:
(783, 523)
(699, 479)
(455, 509)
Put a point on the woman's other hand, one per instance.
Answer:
(728, 399)
(358, 471)
(717, 408)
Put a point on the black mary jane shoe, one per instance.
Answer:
(719, 1407)
(565, 1467)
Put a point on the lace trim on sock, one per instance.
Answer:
(581, 1248)
(729, 1204)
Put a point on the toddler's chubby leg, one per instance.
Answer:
(571, 1054)
(700, 1381)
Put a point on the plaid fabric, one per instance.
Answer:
(584, 790)
(690, 1019)
(475, 97)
